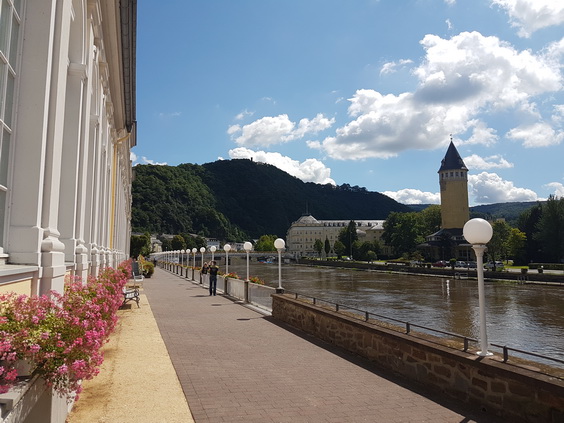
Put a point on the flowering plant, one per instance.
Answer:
(231, 275)
(61, 335)
(256, 279)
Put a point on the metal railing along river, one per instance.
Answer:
(260, 296)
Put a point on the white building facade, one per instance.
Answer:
(303, 233)
(67, 124)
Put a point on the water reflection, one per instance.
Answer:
(520, 316)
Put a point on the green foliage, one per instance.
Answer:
(550, 229)
(498, 247)
(318, 246)
(266, 243)
(348, 236)
(404, 231)
(140, 245)
(327, 246)
(178, 243)
(339, 249)
(511, 212)
(527, 223)
(516, 246)
(240, 199)
(431, 219)
(366, 251)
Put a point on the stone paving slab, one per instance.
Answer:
(236, 365)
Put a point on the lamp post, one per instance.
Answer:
(212, 249)
(194, 251)
(202, 250)
(247, 246)
(183, 270)
(227, 248)
(478, 232)
(279, 244)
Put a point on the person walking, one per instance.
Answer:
(214, 268)
(205, 269)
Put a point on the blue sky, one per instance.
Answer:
(363, 92)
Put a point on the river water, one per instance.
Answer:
(526, 317)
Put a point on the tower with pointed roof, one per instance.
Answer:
(453, 180)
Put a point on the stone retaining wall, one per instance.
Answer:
(496, 387)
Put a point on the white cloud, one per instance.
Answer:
(532, 15)
(391, 67)
(536, 135)
(277, 129)
(310, 170)
(460, 79)
(132, 156)
(414, 196)
(490, 188)
(449, 24)
(476, 162)
(557, 187)
(243, 115)
(145, 160)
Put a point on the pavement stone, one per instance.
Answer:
(237, 365)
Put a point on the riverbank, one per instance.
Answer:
(553, 278)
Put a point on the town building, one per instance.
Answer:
(67, 117)
(449, 241)
(303, 233)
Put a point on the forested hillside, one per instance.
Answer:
(236, 199)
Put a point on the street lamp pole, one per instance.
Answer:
(212, 249)
(182, 269)
(227, 248)
(247, 246)
(194, 251)
(478, 232)
(202, 250)
(279, 244)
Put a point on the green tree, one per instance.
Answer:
(266, 243)
(327, 247)
(339, 249)
(528, 223)
(367, 251)
(431, 219)
(166, 244)
(140, 245)
(498, 247)
(551, 229)
(178, 243)
(403, 232)
(516, 246)
(318, 246)
(348, 236)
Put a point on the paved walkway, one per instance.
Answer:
(236, 365)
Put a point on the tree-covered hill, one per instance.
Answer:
(508, 211)
(233, 199)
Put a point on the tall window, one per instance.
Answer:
(10, 23)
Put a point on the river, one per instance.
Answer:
(527, 317)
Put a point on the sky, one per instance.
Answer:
(361, 92)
